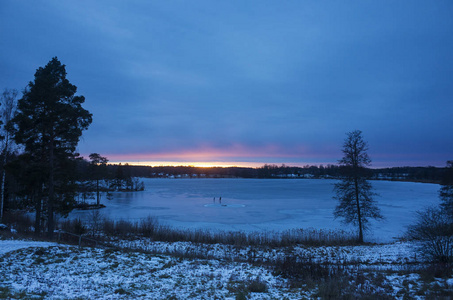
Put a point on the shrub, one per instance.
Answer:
(434, 231)
(356, 285)
(150, 227)
(108, 226)
(430, 272)
(95, 222)
(121, 291)
(257, 286)
(75, 226)
(147, 226)
(125, 228)
(78, 227)
(243, 289)
(301, 270)
(18, 220)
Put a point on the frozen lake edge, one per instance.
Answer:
(264, 204)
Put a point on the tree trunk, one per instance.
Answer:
(50, 203)
(3, 193)
(98, 198)
(5, 151)
(359, 215)
(38, 206)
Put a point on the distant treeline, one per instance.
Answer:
(419, 174)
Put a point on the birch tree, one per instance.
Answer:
(8, 107)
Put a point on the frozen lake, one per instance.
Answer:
(264, 204)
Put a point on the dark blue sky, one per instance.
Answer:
(246, 81)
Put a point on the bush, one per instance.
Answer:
(147, 226)
(20, 221)
(108, 226)
(78, 227)
(243, 289)
(430, 272)
(300, 270)
(150, 227)
(257, 286)
(95, 222)
(434, 231)
(352, 287)
(75, 226)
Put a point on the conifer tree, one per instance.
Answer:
(49, 123)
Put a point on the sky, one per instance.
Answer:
(245, 82)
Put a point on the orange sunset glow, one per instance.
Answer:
(235, 156)
(205, 164)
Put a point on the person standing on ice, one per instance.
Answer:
(220, 200)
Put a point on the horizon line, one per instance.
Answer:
(252, 165)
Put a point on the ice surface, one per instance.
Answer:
(264, 204)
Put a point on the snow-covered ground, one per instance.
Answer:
(51, 271)
(390, 255)
(264, 204)
(12, 245)
(57, 272)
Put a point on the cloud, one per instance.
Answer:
(281, 80)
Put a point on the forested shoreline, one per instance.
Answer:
(413, 174)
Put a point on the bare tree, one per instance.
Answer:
(354, 192)
(8, 102)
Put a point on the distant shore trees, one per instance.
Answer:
(354, 192)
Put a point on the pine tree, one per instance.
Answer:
(354, 192)
(49, 123)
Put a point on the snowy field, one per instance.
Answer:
(37, 270)
(12, 245)
(264, 204)
(63, 273)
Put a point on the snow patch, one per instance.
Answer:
(13, 245)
